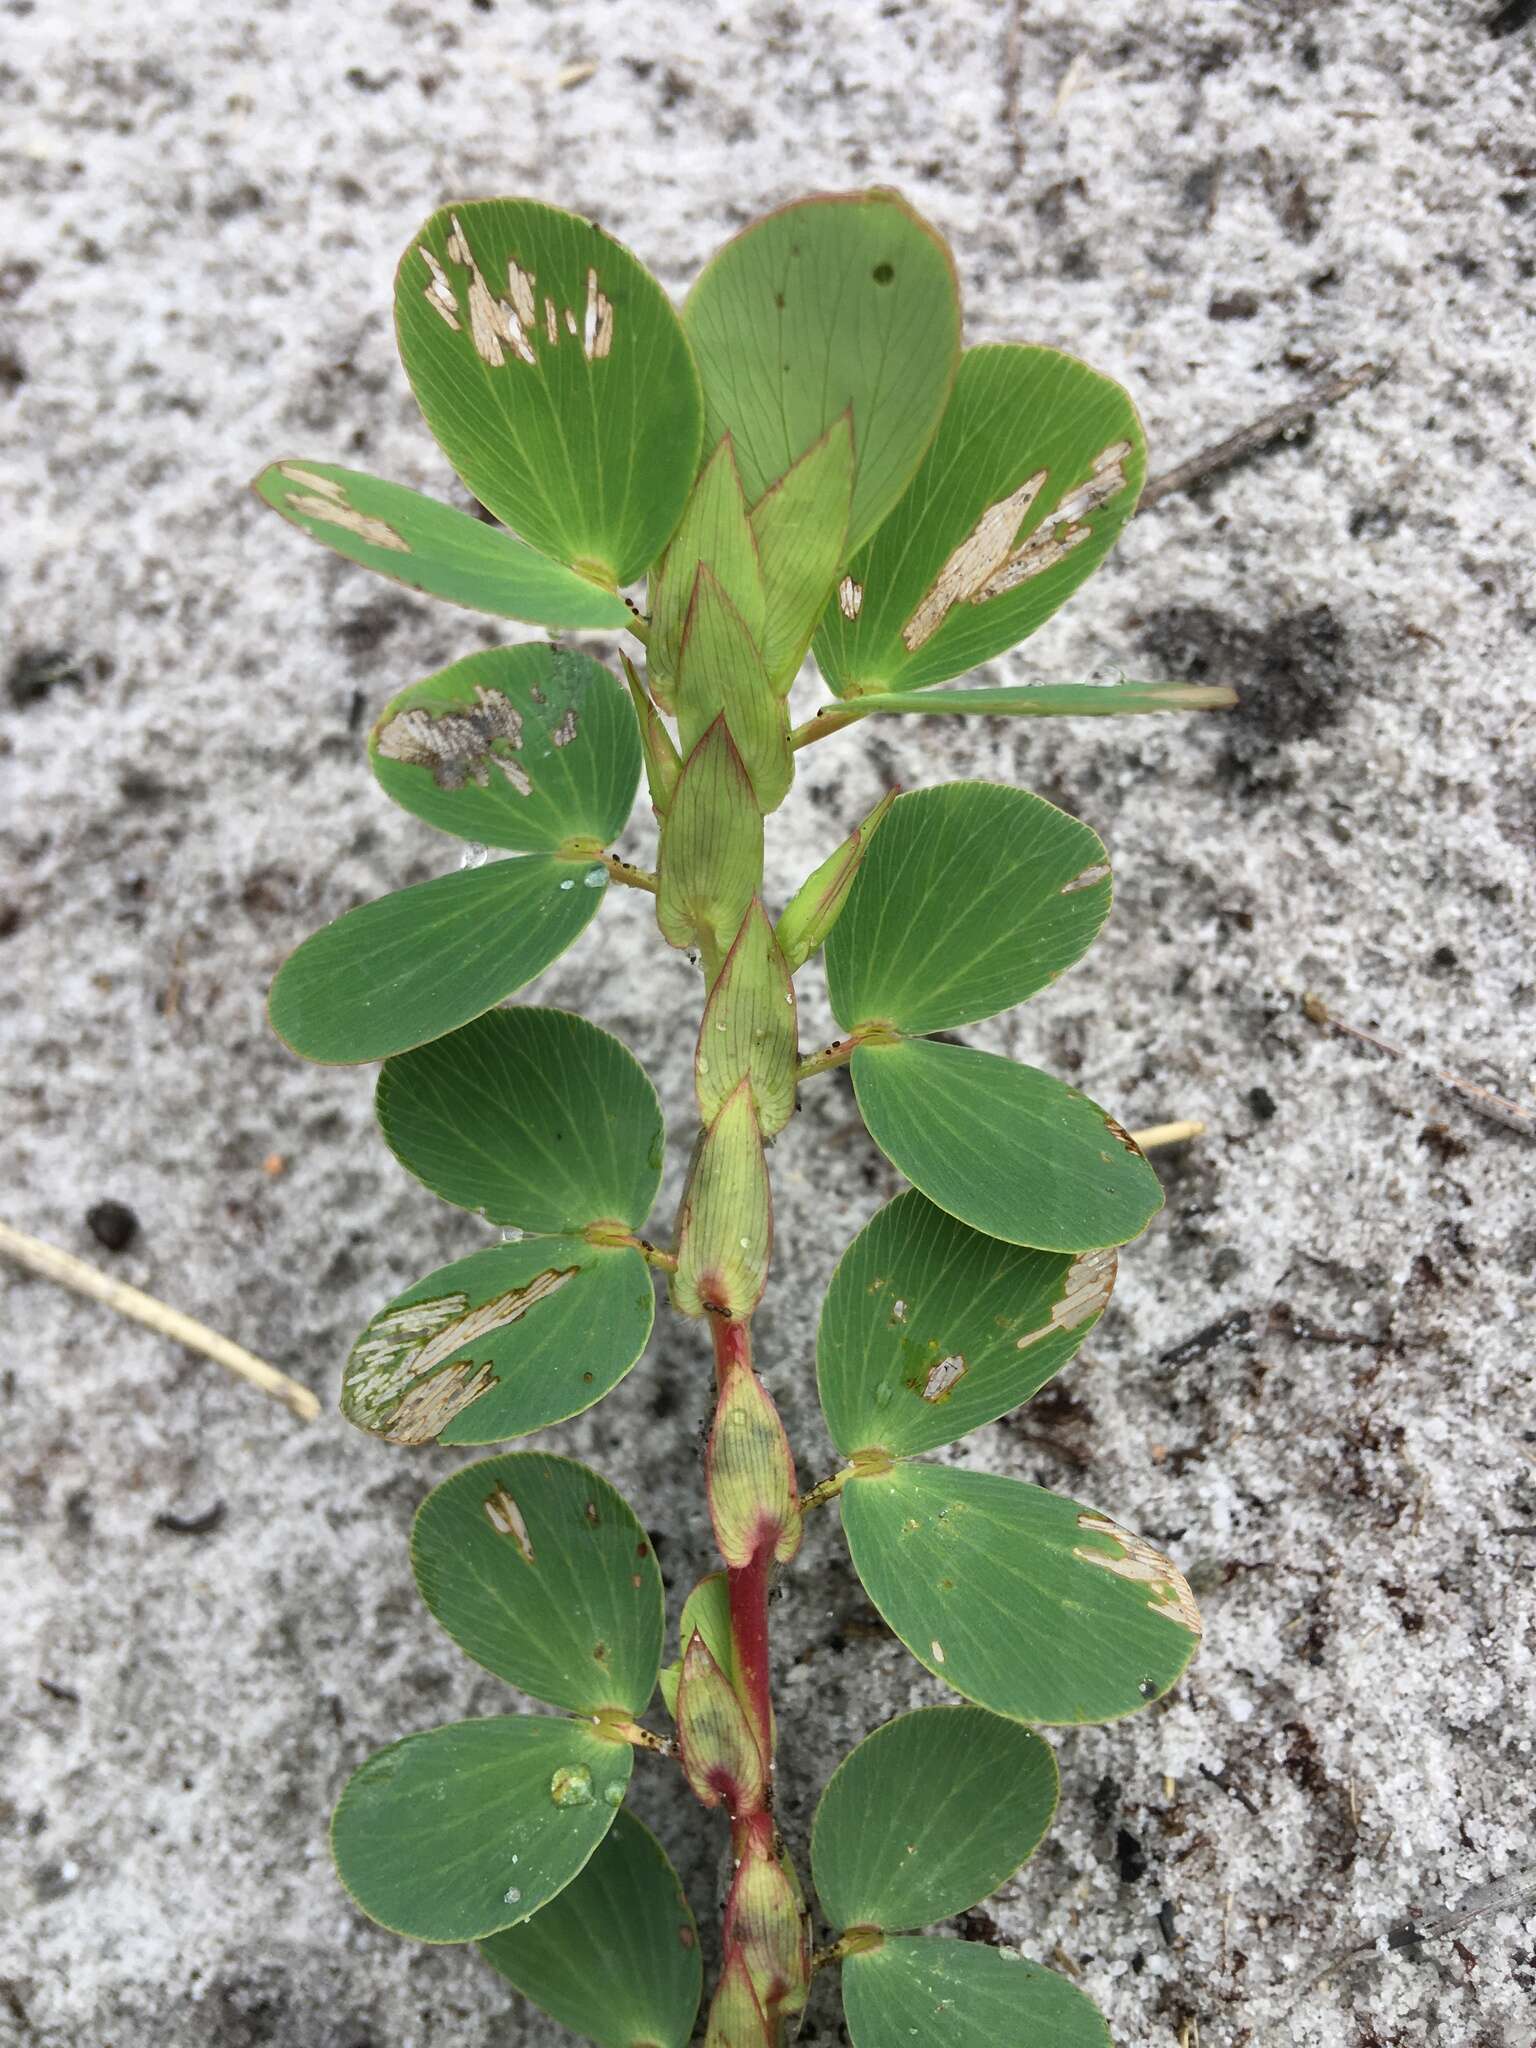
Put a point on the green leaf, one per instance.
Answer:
(841, 304)
(714, 532)
(1007, 1149)
(707, 1610)
(534, 1118)
(525, 747)
(801, 530)
(971, 899)
(540, 1572)
(431, 547)
(552, 369)
(663, 763)
(725, 1220)
(749, 1031)
(930, 1329)
(929, 1815)
(506, 1341)
(1023, 1601)
(711, 857)
(924, 1992)
(818, 903)
(459, 1832)
(721, 673)
(615, 1956)
(1035, 468)
(1049, 700)
(413, 966)
(720, 1754)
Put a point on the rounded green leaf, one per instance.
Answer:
(971, 898)
(552, 369)
(1035, 468)
(431, 547)
(413, 966)
(928, 1815)
(1022, 1600)
(845, 303)
(925, 1992)
(1004, 1147)
(459, 1832)
(533, 1118)
(506, 1341)
(524, 747)
(616, 1956)
(540, 1572)
(930, 1329)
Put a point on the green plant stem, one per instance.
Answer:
(826, 1489)
(631, 877)
(821, 724)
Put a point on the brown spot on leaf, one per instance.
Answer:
(944, 1377)
(506, 1518)
(1140, 1562)
(457, 743)
(1084, 1291)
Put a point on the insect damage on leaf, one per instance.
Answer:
(1086, 879)
(1090, 1279)
(850, 598)
(506, 1518)
(565, 731)
(1140, 1562)
(324, 500)
(987, 563)
(458, 745)
(511, 322)
(407, 1377)
(944, 1377)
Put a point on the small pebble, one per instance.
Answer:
(113, 1225)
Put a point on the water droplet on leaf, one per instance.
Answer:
(571, 1786)
(474, 855)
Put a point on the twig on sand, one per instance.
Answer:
(1250, 439)
(1169, 1134)
(1498, 1109)
(71, 1272)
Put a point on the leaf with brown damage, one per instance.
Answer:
(1034, 471)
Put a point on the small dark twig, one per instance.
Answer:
(192, 1525)
(1250, 439)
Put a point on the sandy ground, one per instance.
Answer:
(1314, 1386)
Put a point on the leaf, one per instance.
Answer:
(1034, 470)
(736, 2020)
(845, 303)
(720, 1754)
(615, 1956)
(551, 367)
(801, 530)
(525, 747)
(725, 1221)
(707, 1610)
(721, 673)
(929, 1815)
(749, 1031)
(534, 1118)
(663, 763)
(924, 1992)
(930, 1329)
(1005, 1148)
(415, 965)
(972, 899)
(540, 1572)
(456, 1833)
(506, 1341)
(1023, 1601)
(818, 902)
(431, 547)
(711, 857)
(1052, 700)
(714, 532)
(750, 1471)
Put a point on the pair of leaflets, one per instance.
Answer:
(926, 1817)
(509, 1830)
